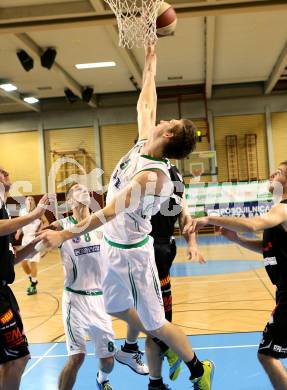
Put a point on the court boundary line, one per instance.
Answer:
(41, 357)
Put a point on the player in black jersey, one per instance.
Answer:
(14, 353)
(273, 246)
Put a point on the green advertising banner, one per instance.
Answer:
(236, 199)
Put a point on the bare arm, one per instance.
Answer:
(253, 245)
(24, 252)
(144, 184)
(29, 250)
(18, 234)
(8, 226)
(185, 220)
(146, 106)
(276, 216)
(44, 221)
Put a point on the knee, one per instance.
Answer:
(264, 359)
(16, 365)
(156, 332)
(107, 364)
(75, 361)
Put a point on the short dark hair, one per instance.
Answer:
(283, 163)
(183, 141)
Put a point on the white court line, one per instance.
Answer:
(40, 272)
(40, 358)
(195, 349)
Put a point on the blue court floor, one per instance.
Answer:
(233, 354)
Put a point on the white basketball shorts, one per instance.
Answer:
(85, 315)
(132, 282)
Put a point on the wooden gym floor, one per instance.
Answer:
(231, 293)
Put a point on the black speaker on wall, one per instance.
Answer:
(48, 58)
(25, 60)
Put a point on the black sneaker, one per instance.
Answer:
(161, 387)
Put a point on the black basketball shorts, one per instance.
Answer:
(13, 342)
(274, 338)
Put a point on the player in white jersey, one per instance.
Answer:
(83, 305)
(30, 265)
(138, 186)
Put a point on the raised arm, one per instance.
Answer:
(146, 106)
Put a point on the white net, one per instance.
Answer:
(136, 21)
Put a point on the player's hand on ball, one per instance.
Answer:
(50, 239)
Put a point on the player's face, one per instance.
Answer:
(30, 203)
(5, 179)
(80, 195)
(278, 177)
(165, 126)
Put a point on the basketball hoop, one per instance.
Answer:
(136, 21)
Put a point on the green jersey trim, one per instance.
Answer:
(84, 292)
(72, 219)
(150, 169)
(127, 246)
(162, 160)
(69, 323)
(133, 286)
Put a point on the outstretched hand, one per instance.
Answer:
(229, 234)
(47, 202)
(50, 239)
(194, 254)
(195, 225)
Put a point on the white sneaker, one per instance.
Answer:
(133, 360)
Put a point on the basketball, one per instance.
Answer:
(166, 20)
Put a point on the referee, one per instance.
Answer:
(14, 353)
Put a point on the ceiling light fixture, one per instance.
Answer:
(8, 87)
(93, 65)
(31, 100)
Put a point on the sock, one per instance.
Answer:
(34, 280)
(155, 382)
(130, 346)
(195, 367)
(167, 301)
(102, 376)
(161, 344)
